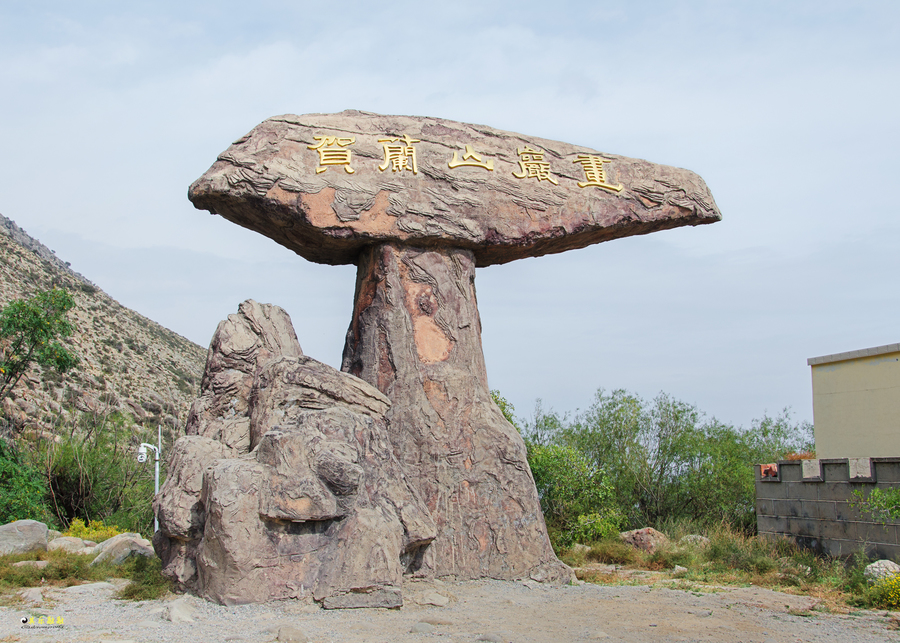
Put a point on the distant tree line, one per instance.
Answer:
(627, 463)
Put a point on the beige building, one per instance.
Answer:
(856, 403)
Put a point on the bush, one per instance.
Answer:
(882, 504)
(63, 569)
(576, 498)
(23, 489)
(612, 551)
(93, 474)
(886, 593)
(95, 530)
(665, 462)
(590, 528)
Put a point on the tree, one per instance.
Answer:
(30, 330)
(577, 498)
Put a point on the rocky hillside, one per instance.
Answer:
(129, 363)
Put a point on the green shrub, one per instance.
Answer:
(665, 461)
(885, 593)
(612, 552)
(592, 527)
(23, 489)
(576, 498)
(94, 475)
(882, 504)
(63, 569)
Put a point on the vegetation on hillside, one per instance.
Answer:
(84, 468)
(30, 330)
(127, 363)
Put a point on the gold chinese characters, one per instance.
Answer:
(333, 151)
(400, 155)
(470, 159)
(595, 173)
(533, 166)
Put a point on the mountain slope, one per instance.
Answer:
(128, 363)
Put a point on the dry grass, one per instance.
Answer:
(65, 569)
(732, 559)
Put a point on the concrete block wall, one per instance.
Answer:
(810, 501)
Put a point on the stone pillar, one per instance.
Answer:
(416, 336)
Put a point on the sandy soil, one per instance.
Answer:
(475, 611)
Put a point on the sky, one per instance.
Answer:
(788, 110)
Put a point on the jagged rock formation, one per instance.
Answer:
(128, 363)
(286, 485)
(417, 204)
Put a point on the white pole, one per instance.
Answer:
(156, 481)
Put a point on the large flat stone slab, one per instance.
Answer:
(325, 185)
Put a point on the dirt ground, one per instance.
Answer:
(491, 611)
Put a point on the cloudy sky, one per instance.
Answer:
(788, 110)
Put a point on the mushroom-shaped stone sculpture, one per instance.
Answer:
(417, 204)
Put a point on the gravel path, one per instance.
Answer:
(474, 611)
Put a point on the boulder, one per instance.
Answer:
(320, 507)
(40, 564)
(23, 536)
(646, 539)
(66, 543)
(118, 548)
(880, 570)
(241, 344)
(694, 539)
(31, 594)
(180, 611)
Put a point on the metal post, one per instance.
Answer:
(156, 482)
(142, 456)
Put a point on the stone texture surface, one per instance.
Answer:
(23, 536)
(239, 346)
(66, 543)
(268, 181)
(648, 539)
(122, 546)
(320, 507)
(416, 335)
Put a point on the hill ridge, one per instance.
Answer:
(129, 363)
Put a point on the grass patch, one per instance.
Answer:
(614, 552)
(147, 581)
(64, 570)
(734, 558)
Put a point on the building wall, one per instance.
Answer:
(856, 403)
(810, 501)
